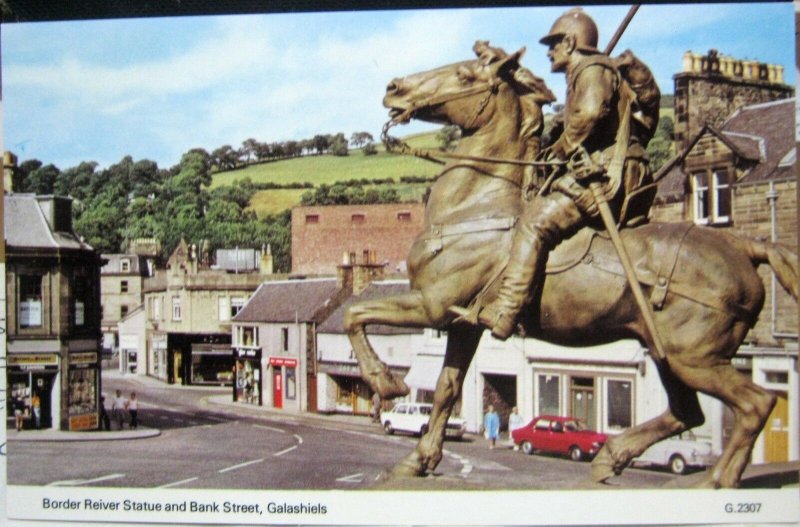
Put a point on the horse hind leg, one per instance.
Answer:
(462, 342)
(751, 406)
(683, 414)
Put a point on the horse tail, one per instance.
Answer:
(780, 258)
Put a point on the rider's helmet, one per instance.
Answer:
(578, 24)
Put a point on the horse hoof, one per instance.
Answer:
(603, 467)
(407, 469)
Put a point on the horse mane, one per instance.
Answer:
(532, 92)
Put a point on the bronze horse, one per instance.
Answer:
(710, 294)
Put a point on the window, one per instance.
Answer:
(312, 218)
(285, 339)
(125, 265)
(549, 395)
(123, 286)
(358, 218)
(291, 383)
(404, 216)
(155, 308)
(236, 305)
(81, 298)
(248, 336)
(712, 196)
(619, 403)
(30, 301)
(123, 311)
(176, 308)
(223, 309)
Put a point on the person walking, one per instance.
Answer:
(36, 408)
(105, 421)
(491, 426)
(118, 406)
(133, 409)
(515, 420)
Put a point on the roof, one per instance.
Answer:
(26, 226)
(375, 290)
(762, 134)
(138, 265)
(290, 301)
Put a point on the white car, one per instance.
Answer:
(678, 453)
(413, 418)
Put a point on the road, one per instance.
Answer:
(206, 446)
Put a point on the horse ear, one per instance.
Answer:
(511, 62)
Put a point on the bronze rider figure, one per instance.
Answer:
(599, 142)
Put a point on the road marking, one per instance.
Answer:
(270, 428)
(286, 451)
(353, 478)
(76, 482)
(240, 465)
(466, 464)
(299, 439)
(176, 483)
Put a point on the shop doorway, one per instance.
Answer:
(24, 389)
(776, 431)
(277, 388)
(501, 392)
(582, 400)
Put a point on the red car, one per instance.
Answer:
(559, 435)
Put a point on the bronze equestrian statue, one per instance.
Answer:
(702, 282)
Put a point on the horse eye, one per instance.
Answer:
(465, 74)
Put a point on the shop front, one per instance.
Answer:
(211, 364)
(31, 381)
(84, 388)
(158, 356)
(128, 353)
(248, 376)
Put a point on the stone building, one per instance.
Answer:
(740, 175)
(52, 314)
(322, 234)
(189, 307)
(121, 291)
(711, 87)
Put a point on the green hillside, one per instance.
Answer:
(328, 169)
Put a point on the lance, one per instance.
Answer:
(611, 227)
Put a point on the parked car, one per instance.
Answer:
(413, 418)
(678, 454)
(559, 435)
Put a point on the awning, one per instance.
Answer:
(424, 371)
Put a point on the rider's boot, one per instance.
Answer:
(500, 315)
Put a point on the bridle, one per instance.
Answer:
(395, 145)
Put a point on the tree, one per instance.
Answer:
(42, 180)
(339, 145)
(224, 157)
(660, 148)
(321, 143)
(448, 136)
(370, 149)
(358, 139)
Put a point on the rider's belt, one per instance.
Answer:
(434, 234)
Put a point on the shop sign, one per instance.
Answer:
(83, 422)
(33, 361)
(283, 361)
(83, 359)
(245, 352)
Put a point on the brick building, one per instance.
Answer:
(740, 175)
(383, 234)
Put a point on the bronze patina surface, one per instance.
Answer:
(702, 282)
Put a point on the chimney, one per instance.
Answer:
(12, 178)
(344, 273)
(266, 263)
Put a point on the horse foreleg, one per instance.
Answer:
(462, 342)
(402, 310)
(683, 414)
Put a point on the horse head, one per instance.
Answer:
(469, 94)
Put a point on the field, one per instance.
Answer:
(328, 169)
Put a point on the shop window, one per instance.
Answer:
(177, 315)
(291, 383)
(123, 286)
(620, 404)
(711, 194)
(285, 339)
(30, 301)
(549, 390)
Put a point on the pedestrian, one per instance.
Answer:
(19, 412)
(133, 408)
(36, 407)
(491, 426)
(515, 421)
(118, 406)
(105, 421)
(376, 408)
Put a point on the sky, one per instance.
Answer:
(155, 88)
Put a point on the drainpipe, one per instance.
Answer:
(772, 199)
